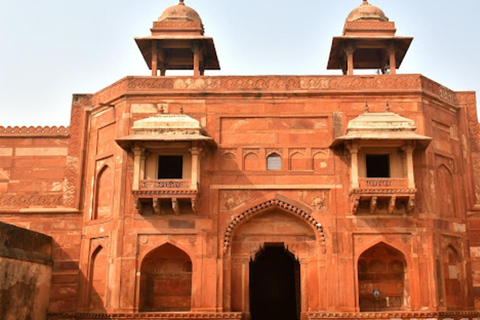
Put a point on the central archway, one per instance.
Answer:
(275, 284)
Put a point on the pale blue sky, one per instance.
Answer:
(51, 49)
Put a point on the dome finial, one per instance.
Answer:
(365, 2)
(181, 2)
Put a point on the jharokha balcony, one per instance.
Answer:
(155, 191)
(393, 194)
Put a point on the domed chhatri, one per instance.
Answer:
(368, 42)
(180, 12)
(178, 43)
(366, 11)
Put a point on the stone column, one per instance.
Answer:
(393, 59)
(139, 167)
(154, 59)
(409, 151)
(354, 165)
(350, 51)
(196, 60)
(195, 151)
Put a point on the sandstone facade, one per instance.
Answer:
(189, 197)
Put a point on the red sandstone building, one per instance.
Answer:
(257, 197)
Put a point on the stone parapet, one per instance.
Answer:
(406, 83)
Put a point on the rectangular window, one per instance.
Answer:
(378, 165)
(170, 167)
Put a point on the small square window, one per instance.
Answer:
(274, 162)
(378, 165)
(170, 167)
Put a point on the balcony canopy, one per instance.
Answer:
(165, 128)
(382, 126)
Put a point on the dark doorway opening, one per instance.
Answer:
(170, 167)
(378, 165)
(275, 285)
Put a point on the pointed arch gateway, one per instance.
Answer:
(271, 253)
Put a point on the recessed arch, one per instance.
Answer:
(166, 280)
(445, 191)
(103, 193)
(453, 275)
(299, 162)
(97, 273)
(228, 162)
(264, 206)
(382, 280)
(251, 162)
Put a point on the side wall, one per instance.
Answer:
(25, 273)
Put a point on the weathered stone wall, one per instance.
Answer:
(25, 273)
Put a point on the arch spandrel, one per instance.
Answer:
(266, 206)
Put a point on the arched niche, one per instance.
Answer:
(166, 280)
(298, 162)
(103, 200)
(382, 284)
(251, 162)
(228, 162)
(453, 275)
(97, 279)
(445, 192)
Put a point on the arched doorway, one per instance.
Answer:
(275, 284)
(381, 279)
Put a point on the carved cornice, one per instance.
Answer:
(265, 206)
(163, 192)
(149, 315)
(283, 84)
(388, 192)
(393, 315)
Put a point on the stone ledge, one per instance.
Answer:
(22, 255)
(460, 315)
(146, 315)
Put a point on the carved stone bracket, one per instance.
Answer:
(354, 203)
(175, 206)
(138, 205)
(194, 205)
(391, 206)
(411, 204)
(373, 204)
(156, 206)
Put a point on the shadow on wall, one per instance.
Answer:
(25, 273)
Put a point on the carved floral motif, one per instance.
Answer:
(21, 200)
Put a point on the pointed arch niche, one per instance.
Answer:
(445, 192)
(275, 223)
(453, 275)
(166, 280)
(97, 274)
(103, 200)
(382, 279)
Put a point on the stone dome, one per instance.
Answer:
(180, 12)
(367, 12)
